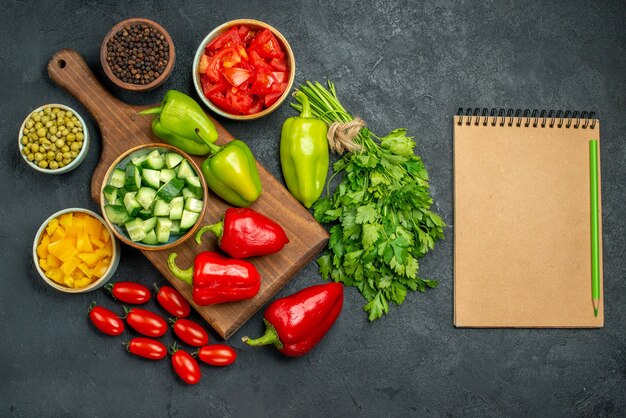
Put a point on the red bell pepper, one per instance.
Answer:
(296, 323)
(245, 233)
(217, 279)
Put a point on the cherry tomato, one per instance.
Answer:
(105, 320)
(217, 355)
(147, 348)
(173, 302)
(190, 332)
(186, 367)
(146, 322)
(129, 292)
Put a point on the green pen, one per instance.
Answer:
(595, 222)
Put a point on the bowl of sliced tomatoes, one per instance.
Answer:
(244, 69)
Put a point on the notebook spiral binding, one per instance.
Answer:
(527, 117)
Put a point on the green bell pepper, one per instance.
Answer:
(304, 154)
(231, 173)
(181, 122)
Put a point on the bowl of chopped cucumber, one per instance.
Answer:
(153, 197)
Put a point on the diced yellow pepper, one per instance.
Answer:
(59, 234)
(73, 231)
(101, 268)
(63, 249)
(56, 275)
(97, 242)
(52, 226)
(52, 261)
(68, 281)
(82, 282)
(85, 269)
(42, 248)
(83, 244)
(92, 226)
(43, 264)
(89, 258)
(66, 219)
(70, 265)
(77, 274)
(104, 235)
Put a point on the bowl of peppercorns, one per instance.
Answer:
(137, 54)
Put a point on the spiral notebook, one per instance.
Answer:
(522, 252)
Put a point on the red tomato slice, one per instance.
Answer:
(263, 82)
(204, 64)
(256, 107)
(242, 52)
(227, 39)
(245, 34)
(280, 76)
(267, 45)
(226, 57)
(257, 61)
(236, 76)
(240, 100)
(278, 64)
(271, 98)
(219, 100)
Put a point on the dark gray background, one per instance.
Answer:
(406, 64)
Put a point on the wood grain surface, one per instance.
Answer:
(122, 129)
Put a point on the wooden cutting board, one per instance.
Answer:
(122, 129)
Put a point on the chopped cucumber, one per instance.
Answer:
(175, 228)
(139, 160)
(161, 208)
(171, 189)
(172, 159)
(133, 178)
(116, 214)
(118, 178)
(194, 205)
(176, 208)
(154, 161)
(149, 224)
(167, 174)
(110, 193)
(194, 185)
(188, 219)
(144, 214)
(145, 196)
(185, 170)
(188, 193)
(150, 238)
(135, 229)
(151, 177)
(118, 201)
(163, 228)
(132, 206)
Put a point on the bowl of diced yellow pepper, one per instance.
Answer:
(75, 251)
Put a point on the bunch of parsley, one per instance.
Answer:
(381, 222)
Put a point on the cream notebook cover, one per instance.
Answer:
(522, 243)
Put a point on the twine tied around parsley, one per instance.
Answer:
(341, 135)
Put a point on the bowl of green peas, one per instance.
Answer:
(53, 139)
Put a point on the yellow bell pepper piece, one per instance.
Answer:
(83, 244)
(92, 226)
(82, 282)
(42, 248)
(43, 264)
(68, 281)
(52, 226)
(56, 275)
(85, 269)
(97, 242)
(90, 259)
(59, 234)
(63, 249)
(71, 265)
(66, 219)
(101, 268)
(52, 261)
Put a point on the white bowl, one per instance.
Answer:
(115, 258)
(255, 24)
(75, 162)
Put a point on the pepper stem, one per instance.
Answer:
(152, 111)
(214, 148)
(306, 107)
(270, 337)
(184, 275)
(217, 229)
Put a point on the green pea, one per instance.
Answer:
(24, 140)
(38, 156)
(50, 155)
(41, 132)
(71, 137)
(26, 151)
(74, 130)
(65, 132)
(55, 110)
(38, 125)
(53, 129)
(59, 134)
(34, 147)
(47, 110)
(43, 164)
(59, 143)
(74, 154)
(75, 146)
(67, 155)
(36, 117)
(66, 161)
(65, 148)
(59, 156)
(30, 123)
(80, 136)
(61, 165)
(54, 165)
(45, 119)
(31, 157)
